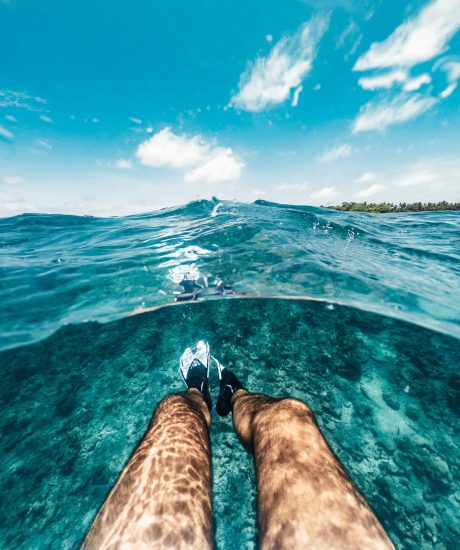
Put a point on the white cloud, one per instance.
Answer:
(339, 152)
(293, 187)
(11, 118)
(369, 191)
(43, 143)
(222, 166)
(168, 149)
(427, 180)
(366, 177)
(325, 193)
(295, 97)
(386, 80)
(452, 68)
(268, 81)
(46, 118)
(6, 134)
(269, 38)
(417, 82)
(204, 160)
(418, 39)
(21, 100)
(124, 164)
(448, 91)
(381, 114)
(12, 180)
(135, 120)
(419, 176)
(432, 179)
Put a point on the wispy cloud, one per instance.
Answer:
(45, 118)
(428, 179)
(124, 164)
(417, 82)
(295, 97)
(203, 160)
(369, 191)
(268, 81)
(11, 118)
(386, 80)
(452, 69)
(12, 180)
(342, 151)
(420, 176)
(43, 143)
(21, 100)
(5, 133)
(366, 177)
(325, 193)
(350, 37)
(448, 91)
(380, 114)
(418, 39)
(292, 187)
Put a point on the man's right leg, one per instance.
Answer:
(305, 497)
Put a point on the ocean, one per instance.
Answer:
(356, 314)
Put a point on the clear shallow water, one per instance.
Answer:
(386, 395)
(76, 402)
(56, 270)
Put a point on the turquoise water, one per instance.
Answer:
(377, 360)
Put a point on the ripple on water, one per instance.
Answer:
(57, 269)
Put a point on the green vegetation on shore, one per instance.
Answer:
(386, 207)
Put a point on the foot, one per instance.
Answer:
(194, 367)
(229, 384)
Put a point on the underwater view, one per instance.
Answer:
(356, 314)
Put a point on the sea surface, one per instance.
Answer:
(356, 314)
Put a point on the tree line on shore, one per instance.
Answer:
(388, 207)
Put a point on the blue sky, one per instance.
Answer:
(119, 107)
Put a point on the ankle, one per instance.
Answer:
(230, 379)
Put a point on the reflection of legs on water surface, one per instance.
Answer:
(163, 496)
(305, 497)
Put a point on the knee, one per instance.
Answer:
(296, 406)
(285, 410)
(172, 402)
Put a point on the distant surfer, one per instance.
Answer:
(163, 497)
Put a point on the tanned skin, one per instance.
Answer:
(163, 497)
(305, 498)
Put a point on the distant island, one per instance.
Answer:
(388, 207)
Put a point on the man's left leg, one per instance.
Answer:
(163, 496)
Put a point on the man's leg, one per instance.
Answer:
(305, 497)
(163, 496)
